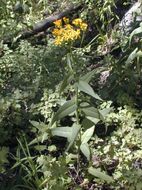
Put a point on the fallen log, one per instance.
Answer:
(43, 25)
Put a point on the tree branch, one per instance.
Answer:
(48, 22)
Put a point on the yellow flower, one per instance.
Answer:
(66, 20)
(56, 32)
(68, 26)
(58, 23)
(58, 41)
(78, 32)
(68, 32)
(83, 26)
(77, 22)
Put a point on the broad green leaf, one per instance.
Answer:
(87, 77)
(75, 130)
(105, 111)
(131, 57)
(85, 150)
(94, 120)
(92, 112)
(62, 132)
(66, 109)
(85, 87)
(68, 132)
(86, 123)
(99, 174)
(87, 135)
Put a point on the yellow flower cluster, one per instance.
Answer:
(67, 32)
(79, 23)
(58, 23)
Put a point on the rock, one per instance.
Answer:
(103, 77)
(131, 19)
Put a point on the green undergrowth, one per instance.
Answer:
(70, 113)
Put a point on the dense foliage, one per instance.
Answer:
(71, 96)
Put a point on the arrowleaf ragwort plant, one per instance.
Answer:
(76, 105)
(78, 102)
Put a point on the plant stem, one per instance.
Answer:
(138, 67)
(77, 114)
(79, 141)
(77, 111)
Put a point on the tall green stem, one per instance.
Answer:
(77, 111)
(138, 67)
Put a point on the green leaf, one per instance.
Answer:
(62, 132)
(105, 111)
(86, 123)
(88, 76)
(75, 130)
(92, 112)
(136, 31)
(68, 132)
(99, 174)
(85, 87)
(87, 135)
(66, 109)
(85, 150)
(94, 120)
(131, 57)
